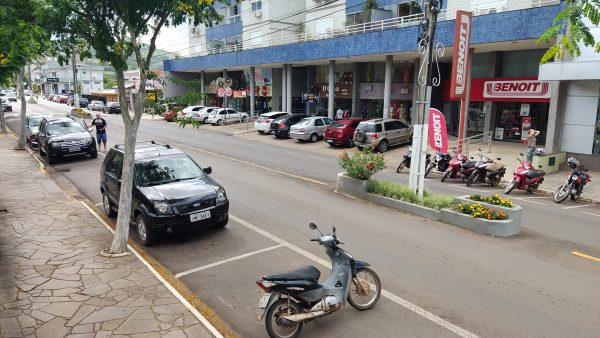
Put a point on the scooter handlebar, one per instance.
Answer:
(314, 240)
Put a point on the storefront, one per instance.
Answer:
(508, 107)
(371, 98)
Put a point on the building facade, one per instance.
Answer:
(57, 79)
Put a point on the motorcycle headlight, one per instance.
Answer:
(162, 208)
(221, 197)
(574, 177)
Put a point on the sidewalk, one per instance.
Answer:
(54, 283)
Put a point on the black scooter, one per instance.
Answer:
(406, 161)
(441, 161)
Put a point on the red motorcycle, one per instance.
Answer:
(576, 180)
(459, 167)
(525, 177)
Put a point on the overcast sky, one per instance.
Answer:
(173, 39)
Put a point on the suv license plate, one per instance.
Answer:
(200, 216)
(264, 301)
(74, 149)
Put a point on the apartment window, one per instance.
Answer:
(256, 38)
(53, 74)
(256, 5)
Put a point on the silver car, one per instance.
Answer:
(310, 128)
(96, 105)
(380, 134)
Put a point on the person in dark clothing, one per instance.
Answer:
(100, 124)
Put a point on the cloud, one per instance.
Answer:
(172, 39)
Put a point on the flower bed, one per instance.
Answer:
(511, 210)
(495, 200)
(477, 210)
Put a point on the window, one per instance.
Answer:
(115, 165)
(390, 126)
(256, 38)
(318, 122)
(256, 6)
(328, 121)
(166, 170)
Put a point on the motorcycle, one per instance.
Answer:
(295, 297)
(459, 167)
(441, 161)
(407, 158)
(576, 180)
(487, 171)
(525, 177)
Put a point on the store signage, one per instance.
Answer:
(239, 93)
(340, 90)
(438, 135)
(525, 109)
(499, 134)
(310, 98)
(460, 61)
(220, 92)
(51, 79)
(525, 126)
(228, 91)
(519, 89)
(264, 91)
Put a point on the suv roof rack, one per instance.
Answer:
(144, 145)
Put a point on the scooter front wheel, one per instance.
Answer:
(473, 178)
(447, 174)
(401, 166)
(561, 193)
(279, 327)
(511, 185)
(364, 290)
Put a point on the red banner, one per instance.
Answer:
(460, 60)
(438, 135)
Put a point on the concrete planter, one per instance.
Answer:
(500, 228)
(351, 186)
(513, 213)
(404, 206)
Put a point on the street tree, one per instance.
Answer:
(115, 29)
(570, 28)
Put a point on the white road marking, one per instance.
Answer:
(236, 160)
(537, 197)
(465, 187)
(394, 298)
(208, 266)
(589, 213)
(526, 200)
(291, 152)
(98, 204)
(176, 293)
(317, 158)
(578, 206)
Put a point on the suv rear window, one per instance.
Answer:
(369, 127)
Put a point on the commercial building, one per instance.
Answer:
(337, 54)
(57, 79)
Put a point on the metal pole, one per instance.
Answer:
(284, 87)
(75, 91)
(252, 94)
(202, 89)
(387, 89)
(331, 98)
(468, 96)
(225, 96)
(288, 88)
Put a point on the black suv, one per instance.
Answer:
(280, 127)
(171, 193)
(112, 108)
(64, 137)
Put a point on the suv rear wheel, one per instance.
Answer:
(107, 206)
(383, 146)
(146, 236)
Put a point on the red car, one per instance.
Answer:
(169, 116)
(63, 99)
(341, 132)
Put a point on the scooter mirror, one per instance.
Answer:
(334, 229)
(472, 157)
(313, 226)
(498, 158)
(521, 154)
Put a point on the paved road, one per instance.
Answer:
(525, 286)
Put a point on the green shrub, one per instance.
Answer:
(361, 165)
(405, 194)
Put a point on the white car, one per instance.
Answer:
(310, 128)
(263, 123)
(202, 114)
(223, 116)
(187, 110)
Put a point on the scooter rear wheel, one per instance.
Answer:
(447, 174)
(511, 185)
(364, 290)
(277, 326)
(561, 193)
(401, 166)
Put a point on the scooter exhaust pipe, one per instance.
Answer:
(305, 316)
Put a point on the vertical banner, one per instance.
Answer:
(525, 126)
(460, 58)
(438, 135)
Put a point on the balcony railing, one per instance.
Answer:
(481, 8)
(234, 19)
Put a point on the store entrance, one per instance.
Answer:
(513, 119)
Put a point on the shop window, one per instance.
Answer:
(514, 119)
(520, 63)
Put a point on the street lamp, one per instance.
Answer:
(426, 81)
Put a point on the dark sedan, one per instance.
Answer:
(64, 137)
(280, 127)
(112, 108)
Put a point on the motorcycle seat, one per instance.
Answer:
(304, 273)
(535, 173)
(495, 167)
(468, 164)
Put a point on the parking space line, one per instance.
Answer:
(526, 200)
(577, 206)
(537, 197)
(589, 213)
(317, 158)
(596, 259)
(394, 298)
(208, 266)
(465, 187)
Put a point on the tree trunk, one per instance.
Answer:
(119, 244)
(2, 121)
(20, 76)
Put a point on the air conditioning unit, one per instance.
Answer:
(258, 13)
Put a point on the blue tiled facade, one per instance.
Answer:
(222, 31)
(523, 24)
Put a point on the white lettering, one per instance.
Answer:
(461, 58)
(437, 130)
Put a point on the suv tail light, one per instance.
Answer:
(302, 130)
(373, 136)
(281, 125)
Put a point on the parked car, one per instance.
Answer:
(6, 106)
(310, 128)
(50, 97)
(188, 110)
(64, 137)
(171, 193)
(27, 92)
(10, 96)
(223, 115)
(342, 132)
(112, 108)
(280, 127)
(96, 105)
(83, 102)
(63, 99)
(202, 114)
(380, 134)
(32, 124)
(263, 123)
(169, 116)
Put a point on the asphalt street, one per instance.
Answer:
(439, 280)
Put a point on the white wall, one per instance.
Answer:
(335, 10)
(581, 104)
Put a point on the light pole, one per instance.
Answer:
(426, 81)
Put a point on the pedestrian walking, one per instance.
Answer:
(531, 143)
(100, 124)
(363, 112)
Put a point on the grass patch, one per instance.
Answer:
(405, 194)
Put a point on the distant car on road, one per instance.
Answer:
(10, 96)
(63, 99)
(310, 128)
(64, 137)
(171, 193)
(280, 127)
(96, 105)
(112, 108)
(263, 123)
(6, 106)
(380, 134)
(342, 132)
(32, 124)
(202, 114)
(225, 115)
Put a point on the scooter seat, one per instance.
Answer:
(468, 165)
(304, 273)
(535, 173)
